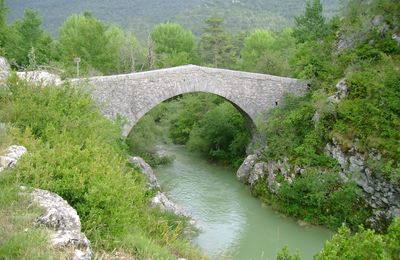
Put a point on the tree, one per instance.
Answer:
(311, 25)
(84, 36)
(3, 14)
(3, 24)
(216, 46)
(173, 45)
(313, 56)
(267, 53)
(124, 50)
(221, 134)
(26, 38)
(256, 45)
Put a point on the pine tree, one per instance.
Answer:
(216, 46)
(311, 25)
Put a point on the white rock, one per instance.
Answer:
(4, 69)
(146, 170)
(259, 170)
(40, 77)
(245, 169)
(162, 201)
(12, 155)
(64, 221)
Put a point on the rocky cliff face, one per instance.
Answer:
(382, 195)
(379, 193)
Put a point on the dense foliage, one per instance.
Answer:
(203, 122)
(366, 120)
(77, 153)
(173, 45)
(267, 52)
(365, 244)
(24, 42)
(102, 49)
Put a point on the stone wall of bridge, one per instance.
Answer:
(133, 95)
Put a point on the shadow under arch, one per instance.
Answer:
(250, 124)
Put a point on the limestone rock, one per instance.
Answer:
(162, 201)
(146, 170)
(258, 171)
(245, 169)
(60, 217)
(341, 91)
(4, 69)
(273, 185)
(40, 77)
(381, 195)
(333, 150)
(12, 155)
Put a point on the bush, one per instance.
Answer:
(322, 198)
(77, 153)
(365, 244)
(221, 135)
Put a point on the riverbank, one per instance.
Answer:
(233, 224)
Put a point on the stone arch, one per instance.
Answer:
(249, 121)
(133, 95)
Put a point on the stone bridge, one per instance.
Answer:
(133, 95)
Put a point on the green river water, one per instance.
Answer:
(233, 224)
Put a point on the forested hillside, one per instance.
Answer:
(141, 16)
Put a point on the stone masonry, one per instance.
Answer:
(133, 95)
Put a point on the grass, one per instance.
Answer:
(74, 151)
(19, 237)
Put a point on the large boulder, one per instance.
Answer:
(258, 172)
(64, 222)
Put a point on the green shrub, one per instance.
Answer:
(77, 153)
(322, 198)
(365, 244)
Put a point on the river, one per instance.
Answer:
(233, 224)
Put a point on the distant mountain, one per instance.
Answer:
(140, 16)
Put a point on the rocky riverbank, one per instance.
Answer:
(378, 192)
(159, 199)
